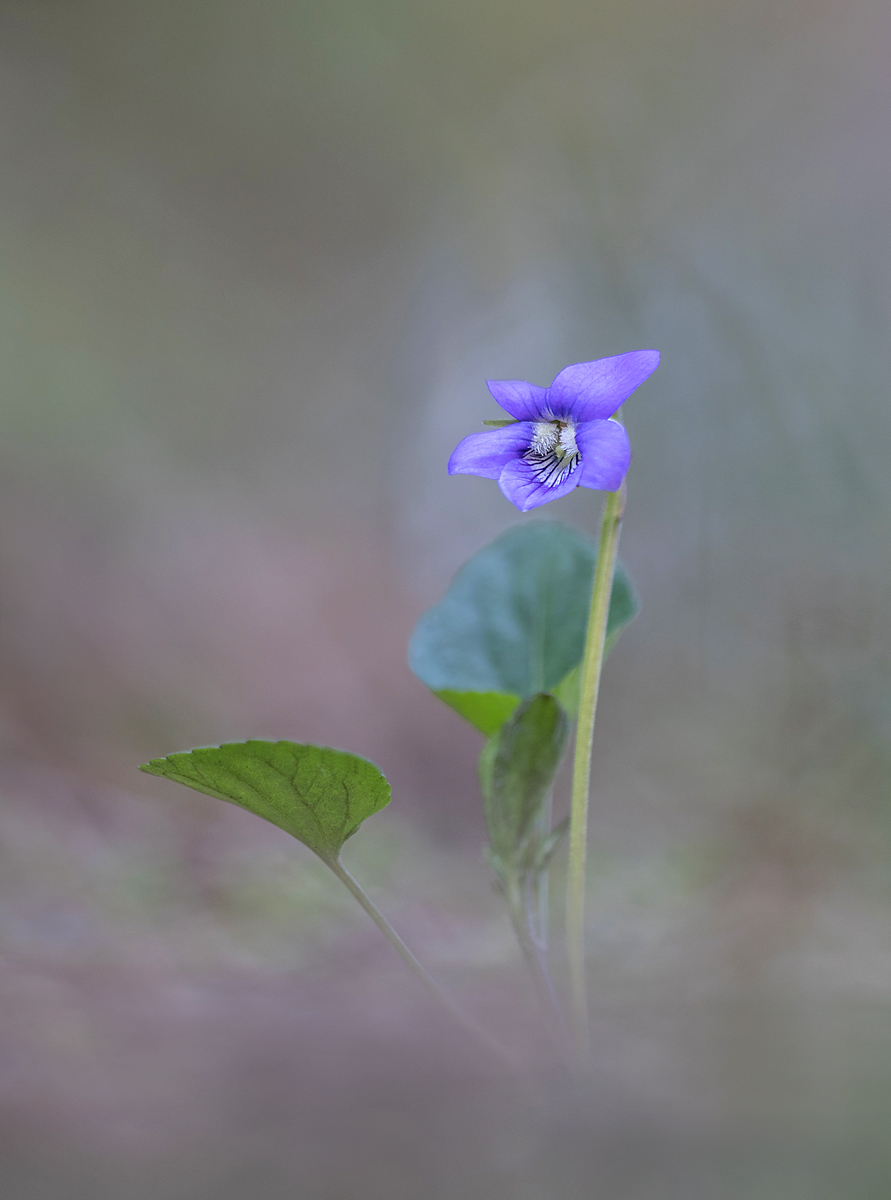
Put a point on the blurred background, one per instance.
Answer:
(257, 261)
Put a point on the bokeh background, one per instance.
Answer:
(257, 260)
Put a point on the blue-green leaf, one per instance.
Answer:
(319, 796)
(512, 623)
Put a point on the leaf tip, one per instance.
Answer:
(154, 766)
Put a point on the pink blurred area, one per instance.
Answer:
(208, 626)
(257, 262)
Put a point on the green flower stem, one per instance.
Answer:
(412, 963)
(592, 664)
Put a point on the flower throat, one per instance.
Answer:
(553, 453)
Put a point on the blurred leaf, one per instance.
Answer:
(547, 847)
(517, 769)
(513, 622)
(319, 796)
(486, 710)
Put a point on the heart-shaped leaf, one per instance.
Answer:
(516, 771)
(513, 622)
(319, 796)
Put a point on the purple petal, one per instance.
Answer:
(487, 454)
(605, 454)
(593, 391)
(522, 400)
(519, 483)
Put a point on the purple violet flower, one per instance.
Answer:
(560, 437)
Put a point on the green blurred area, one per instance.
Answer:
(256, 262)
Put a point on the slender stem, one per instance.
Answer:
(592, 664)
(523, 917)
(540, 887)
(412, 963)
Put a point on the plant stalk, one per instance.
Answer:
(539, 922)
(523, 916)
(592, 665)
(412, 963)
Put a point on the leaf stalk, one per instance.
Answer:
(414, 966)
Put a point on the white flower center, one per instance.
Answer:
(553, 453)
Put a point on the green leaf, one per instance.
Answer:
(319, 796)
(517, 769)
(486, 710)
(513, 621)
